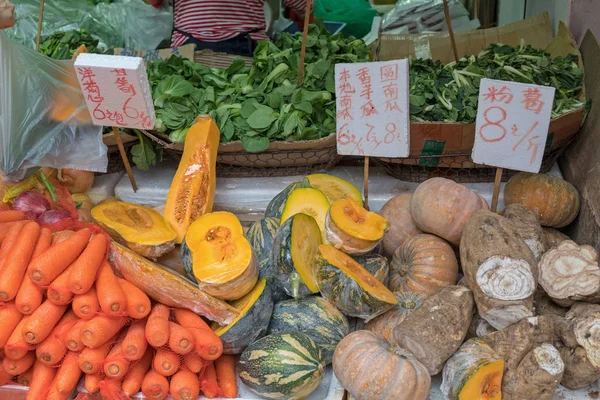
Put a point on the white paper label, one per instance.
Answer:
(116, 90)
(372, 109)
(512, 124)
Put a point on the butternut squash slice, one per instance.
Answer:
(307, 201)
(349, 286)
(352, 228)
(193, 188)
(140, 228)
(474, 372)
(334, 188)
(216, 254)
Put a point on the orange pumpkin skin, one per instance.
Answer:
(423, 265)
(442, 207)
(384, 324)
(554, 200)
(371, 369)
(402, 226)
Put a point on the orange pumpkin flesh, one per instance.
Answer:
(485, 383)
(192, 191)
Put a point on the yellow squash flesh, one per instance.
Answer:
(310, 202)
(334, 188)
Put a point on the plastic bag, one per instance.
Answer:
(123, 23)
(357, 14)
(419, 16)
(43, 117)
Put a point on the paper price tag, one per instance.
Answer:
(512, 124)
(116, 90)
(372, 109)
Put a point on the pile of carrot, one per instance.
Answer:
(65, 316)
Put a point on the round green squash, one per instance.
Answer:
(377, 265)
(260, 235)
(286, 366)
(316, 317)
(349, 286)
(255, 313)
(277, 204)
(294, 252)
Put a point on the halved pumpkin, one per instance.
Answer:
(349, 286)
(140, 228)
(192, 190)
(277, 204)
(295, 249)
(216, 254)
(251, 324)
(334, 188)
(310, 202)
(352, 228)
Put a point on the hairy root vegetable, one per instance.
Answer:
(539, 373)
(528, 225)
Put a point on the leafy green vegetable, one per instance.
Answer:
(62, 45)
(146, 153)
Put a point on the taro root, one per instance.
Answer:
(528, 225)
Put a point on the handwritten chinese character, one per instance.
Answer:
(389, 73)
(368, 108)
(346, 91)
(391, 93)
(119, 72)
(372, 136)
(532, 100)
(504, 95)
(523, 137)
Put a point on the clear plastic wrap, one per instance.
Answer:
(44, 120)
(419, 16)
(123, 23)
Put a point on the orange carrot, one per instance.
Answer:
(11, 216)
(5, 228)
(53, 348)
(166, 362)
(9, 320)
(61, 236)
(5, 377)
(101, 329)
(157, 327)
(85, 268)
(185, 385)
(111, 389)
(155, 386)
(58, 292)
(68, 374)
(135, 343)
(17, 260)
(16, 367)
(25, 378)
(43, 376)
(86, 305)
(208, 344)
(92, 360)
(29, 297)
(133, 381)
(72, 338)
(4, 206)
(115, 365)
(181, 340)
(209, 385)
(91, 382)
(10, 239)
(44, 242)
(111, 297)
(193, 362)
(138, 303)
(225, 368)
(16, 347)
(42, 321)
(54, 394)
(47, 266)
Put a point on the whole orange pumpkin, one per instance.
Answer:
(554, 200)
(422, 265)
(442, 207)
(371, 369)
(385, 324)
(402, 226)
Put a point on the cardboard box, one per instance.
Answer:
(457, 138)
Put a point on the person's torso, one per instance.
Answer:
(214, 20)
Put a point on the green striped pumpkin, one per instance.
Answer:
(286, 366)
(316, 317)
(260, 235)
(377, 265)
(277, 204)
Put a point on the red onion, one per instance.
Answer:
(32, 203)
(53, 216)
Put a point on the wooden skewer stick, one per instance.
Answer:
(450, 30)
(304, 38)
(39, 31)
(497, 183)
(366, 183)
(124, 157)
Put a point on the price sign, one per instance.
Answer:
(116, 90)
(512, 124)
(372, 109)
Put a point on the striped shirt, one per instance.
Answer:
(217, 20)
